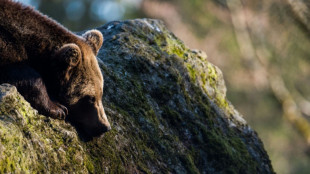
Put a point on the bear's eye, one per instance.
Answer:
(92, 99)
(89, 99)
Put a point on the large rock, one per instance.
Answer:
(167, 107)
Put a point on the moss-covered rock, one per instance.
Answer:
(31, 142)
(167, 105)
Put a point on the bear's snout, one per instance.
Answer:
(89, 119)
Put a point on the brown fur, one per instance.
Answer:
(53, 68)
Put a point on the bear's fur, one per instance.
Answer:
(54, 69)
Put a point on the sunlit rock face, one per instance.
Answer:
(168, 109)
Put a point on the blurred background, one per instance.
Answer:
(262, 47)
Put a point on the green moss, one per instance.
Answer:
(187, 161)
(222, 102)
(7, 165)
(192, 72)
(26, 133)
(89, 165)
(230, 150)
(203, 77)
(169, 44)
(175, 47)
(151, 116)
(212, 75)
(172, 116)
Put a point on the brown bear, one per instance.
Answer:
(54, 69)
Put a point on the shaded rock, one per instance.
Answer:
(168, 109)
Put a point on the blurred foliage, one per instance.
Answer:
(262, 47)
(82, 14)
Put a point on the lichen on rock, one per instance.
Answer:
(30, 142)
(168, 109)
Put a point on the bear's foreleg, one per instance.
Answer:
(30, 84)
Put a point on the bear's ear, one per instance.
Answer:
(70, 54)
(94, 38)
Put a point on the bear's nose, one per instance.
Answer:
(106, 128)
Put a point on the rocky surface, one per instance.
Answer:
(167, 106)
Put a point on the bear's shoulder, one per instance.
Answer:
(27, 31)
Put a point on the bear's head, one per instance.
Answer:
(81, 84)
